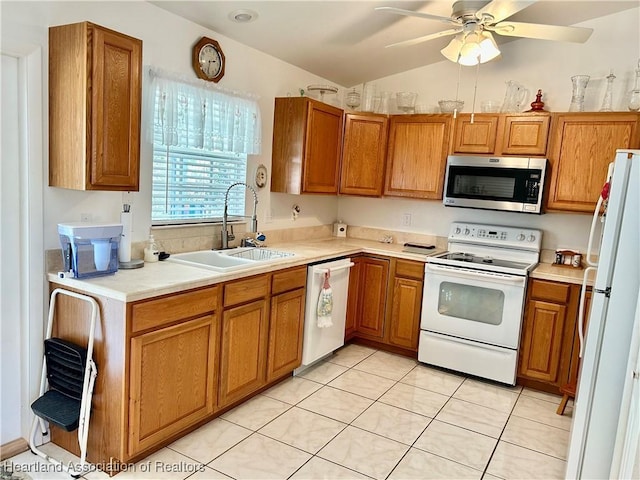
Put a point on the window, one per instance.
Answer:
(201, 138)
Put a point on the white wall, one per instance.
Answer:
(537, 64)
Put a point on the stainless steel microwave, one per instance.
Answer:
(513, 184)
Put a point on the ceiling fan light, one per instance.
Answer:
(488, 48)
(470, 51)
(452, 51)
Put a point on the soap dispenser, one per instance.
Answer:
(151, 253)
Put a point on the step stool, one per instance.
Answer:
(66, 387)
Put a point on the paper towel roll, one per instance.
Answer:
(124, 254)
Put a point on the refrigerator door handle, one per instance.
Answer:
(583, 292)
(596, 214)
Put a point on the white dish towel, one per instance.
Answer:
(325, 304)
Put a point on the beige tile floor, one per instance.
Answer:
(366, 414)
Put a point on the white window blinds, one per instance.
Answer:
(201, 138)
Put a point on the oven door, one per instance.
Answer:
(472, 304)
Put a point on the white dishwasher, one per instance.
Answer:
(319, 342)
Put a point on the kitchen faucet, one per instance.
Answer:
(254, 218)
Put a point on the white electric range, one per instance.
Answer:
(473, 301)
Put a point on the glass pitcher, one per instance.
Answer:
(514, 97)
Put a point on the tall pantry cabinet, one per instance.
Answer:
(95, 86)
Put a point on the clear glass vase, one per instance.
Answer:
(634, 97)
(607, 101)
(579, 88)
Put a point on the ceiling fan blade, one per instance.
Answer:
(411, 13)
(426, 38)
(542, 32)
(501, 9)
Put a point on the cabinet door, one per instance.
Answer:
(417, 155)
(363, 156)
(95, 86)
(404, 324)
(323, 146)
(307, 143)
(583, 145)
(523, 134)
(542, 341)
(285, 333)
(373, 297)
(115, 112)
(476, 137)
(243, 351)
(172, 380)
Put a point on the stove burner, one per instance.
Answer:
(462, 257)
(487, 260)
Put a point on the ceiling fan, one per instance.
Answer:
(474, 22)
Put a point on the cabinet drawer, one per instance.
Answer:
(155, 313)
(550, 291)
(288, 280)
(410, 269)
(245, 290)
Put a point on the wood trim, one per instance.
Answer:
(159, 312)
(289, 279)
(245, 290)
(13, 448)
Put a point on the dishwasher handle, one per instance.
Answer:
(331, 270)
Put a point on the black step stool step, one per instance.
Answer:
(59, 409)
(66, 363)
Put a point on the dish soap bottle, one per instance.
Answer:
(151, 251)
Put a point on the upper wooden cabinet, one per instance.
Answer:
(417, 155)
(502, 134)
(94, 108)
(307, 143)
(581, 147)
(364, 153)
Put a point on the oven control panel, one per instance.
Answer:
(498, 235)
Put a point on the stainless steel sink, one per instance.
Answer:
(229, 260)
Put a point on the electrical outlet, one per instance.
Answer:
(406, 219)
(86, 217)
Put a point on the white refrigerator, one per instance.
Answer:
(605, 417)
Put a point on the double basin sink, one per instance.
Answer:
(230, 260)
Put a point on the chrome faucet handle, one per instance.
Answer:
(249, 242)
(231, 236)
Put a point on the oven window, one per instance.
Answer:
(478, 304)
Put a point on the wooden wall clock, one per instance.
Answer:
(208, 60)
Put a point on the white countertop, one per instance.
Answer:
(165, 277)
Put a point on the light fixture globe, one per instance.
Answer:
(469, 49)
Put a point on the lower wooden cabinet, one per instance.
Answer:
(549, 344)
(243, 351)
(172, 382)
(406, 303)
(169, 363)
(285, 333)
(385, 301)
(374, 276)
